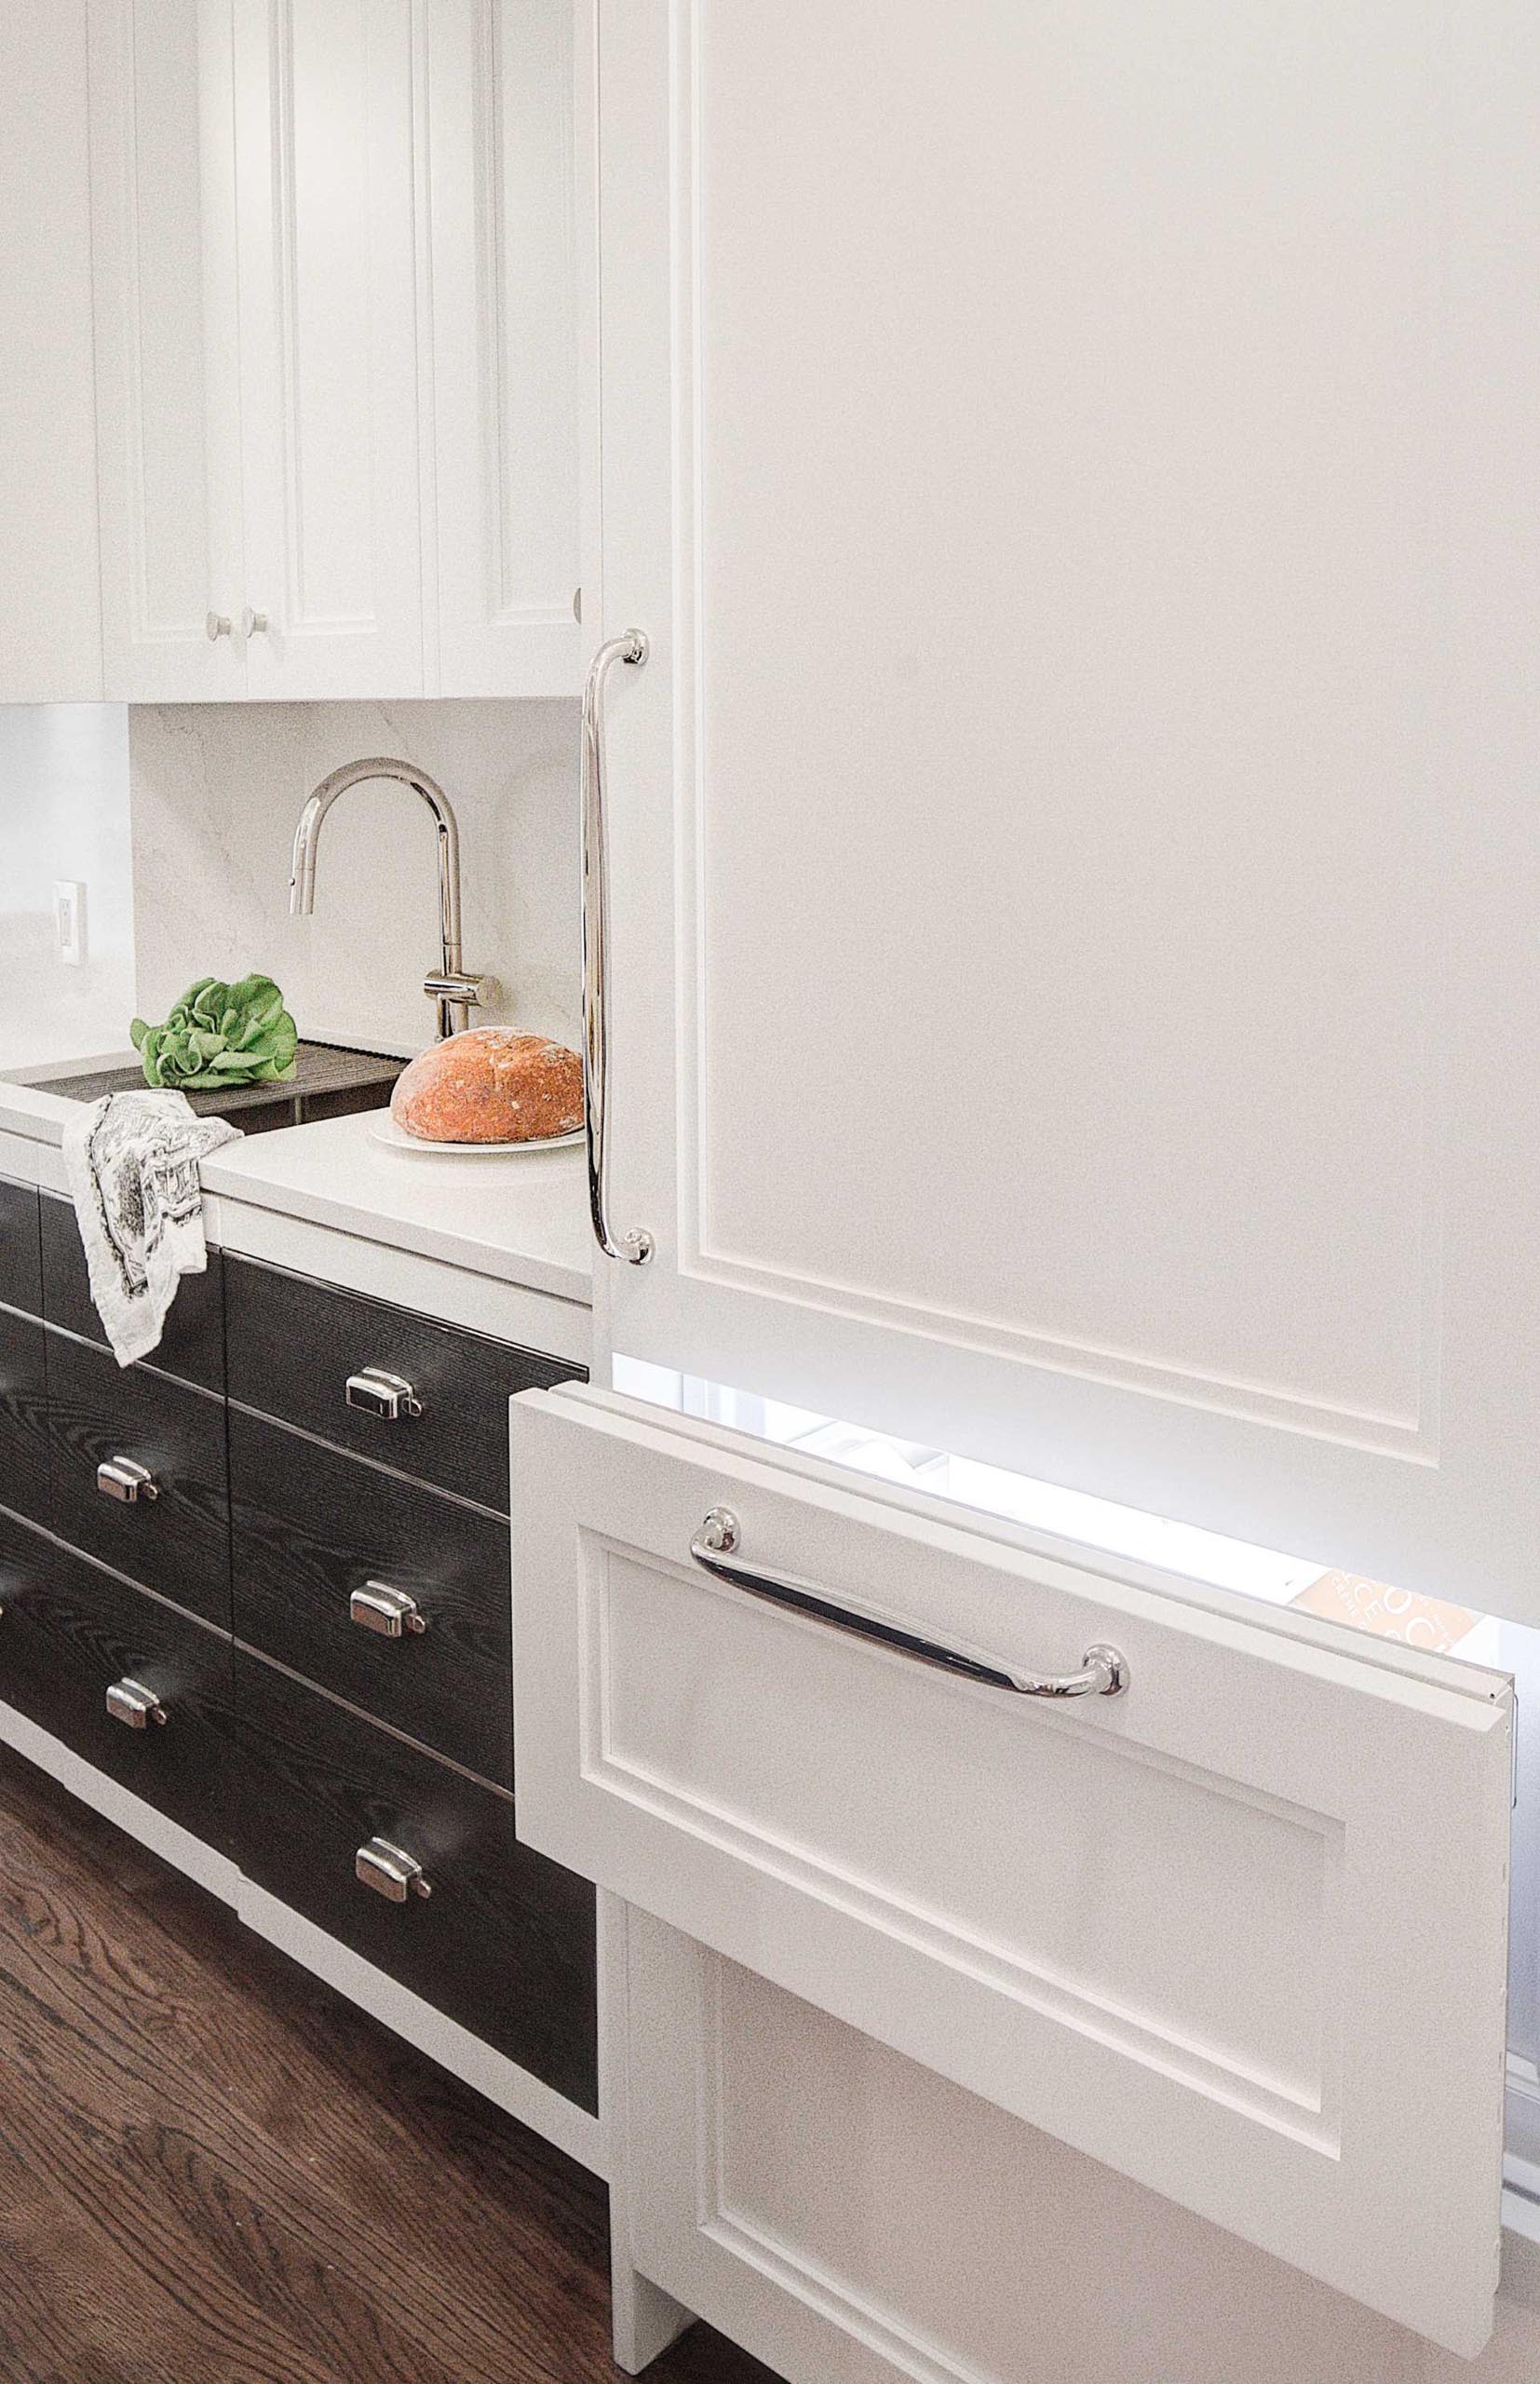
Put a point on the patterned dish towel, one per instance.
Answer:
(132, 1162)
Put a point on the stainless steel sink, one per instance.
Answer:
(329, 1081)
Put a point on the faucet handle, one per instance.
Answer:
(459, 985)
(457, 992)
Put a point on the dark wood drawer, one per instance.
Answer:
(505, 1944)
(311, 1526)
(192, 1343)
(23, 1418)
(21, 1270)
(71, 1631)
(180, 1542)
(292, 1344)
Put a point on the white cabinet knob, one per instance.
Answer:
(253, 624)
(218, 625)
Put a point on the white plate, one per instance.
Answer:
(383, 1128)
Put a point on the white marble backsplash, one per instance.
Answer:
(217, 791)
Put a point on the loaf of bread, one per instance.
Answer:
(490, 1086)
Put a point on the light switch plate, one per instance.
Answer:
(69, 921)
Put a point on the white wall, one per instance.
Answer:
(64, 814)
(217, 791)
(50, 619)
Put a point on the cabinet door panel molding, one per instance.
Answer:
(335, 326)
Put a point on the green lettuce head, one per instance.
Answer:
(219, 1036)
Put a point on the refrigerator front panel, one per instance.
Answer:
(1072, 855)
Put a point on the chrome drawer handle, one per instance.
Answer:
(389, 1612)
(130, 1703)
(131, 1483)
(1104, 1673)
(636, 1246)
(390, 1871)
(386, 1395)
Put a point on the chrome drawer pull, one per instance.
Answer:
(132, 1484)
(130, 1703)
(1105, 1672)
(389, 1612)
(379, 1393)
(635, 1247)
(390, 1871)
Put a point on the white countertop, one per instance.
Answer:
(520, 1216)
(519, 1220)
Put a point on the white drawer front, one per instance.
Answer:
(1239, 1932)
(853, 2218)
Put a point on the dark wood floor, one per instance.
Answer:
(214, 2170)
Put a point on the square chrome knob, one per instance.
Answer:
(380, 1393)
(126, 1480)
(135, 1706)
(389, 1613)
(390, 1871)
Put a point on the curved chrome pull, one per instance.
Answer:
(1105, 1672)
(636, 1246)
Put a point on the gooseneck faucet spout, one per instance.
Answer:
(453, 991)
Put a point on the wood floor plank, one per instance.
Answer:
(214, 2169)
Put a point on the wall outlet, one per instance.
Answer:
(69, 921)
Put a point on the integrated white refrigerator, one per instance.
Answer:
(1062, 875)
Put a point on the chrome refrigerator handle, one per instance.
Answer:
(1104, 1670)
(636, 1246)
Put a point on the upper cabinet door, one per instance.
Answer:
(50, 631)
(168, 424)
(326, 227)
(505, 345)
(1074, 847)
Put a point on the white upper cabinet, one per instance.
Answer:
(501, 94)
(50, 649)
(327, 267)
(1075, 856)
(162, 183)
(293, 430)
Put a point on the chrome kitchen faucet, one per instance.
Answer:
(454, 992)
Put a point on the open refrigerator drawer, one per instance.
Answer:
(1227, 1913)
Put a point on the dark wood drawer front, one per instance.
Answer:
(293, 1344)
(71, 1633)
(99, 1412)
(311, 1527)
(505, 1944)
(23, 1418)
(192, 1343)
(20, 1274)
